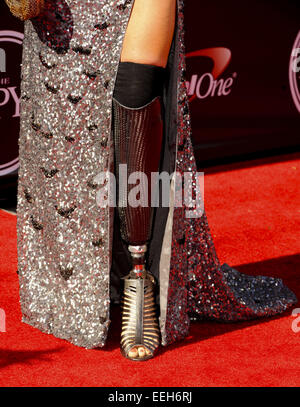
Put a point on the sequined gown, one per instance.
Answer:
(68, 245)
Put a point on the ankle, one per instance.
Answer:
(138, 257)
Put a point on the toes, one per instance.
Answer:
(133, 353)
(141, 351)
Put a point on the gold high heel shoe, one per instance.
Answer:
(139, 321)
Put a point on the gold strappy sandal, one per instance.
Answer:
(139, 321)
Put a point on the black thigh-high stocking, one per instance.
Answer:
(138, 133)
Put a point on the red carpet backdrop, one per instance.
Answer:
(254, 216)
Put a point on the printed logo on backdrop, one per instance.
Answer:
(10, 56)
(294, 72)
(209, 84)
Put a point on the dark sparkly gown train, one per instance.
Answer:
(68, 246)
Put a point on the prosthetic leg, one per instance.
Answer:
(138, 133)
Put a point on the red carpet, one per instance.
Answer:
(254, 217)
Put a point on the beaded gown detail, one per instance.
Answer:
(66, 240)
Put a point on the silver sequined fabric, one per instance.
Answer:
(70, 61)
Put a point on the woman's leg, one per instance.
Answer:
(138, 136)
(144, 56)
(149, 32)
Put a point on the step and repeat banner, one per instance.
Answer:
(11, 38)
(243, 72)
(243, 79)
